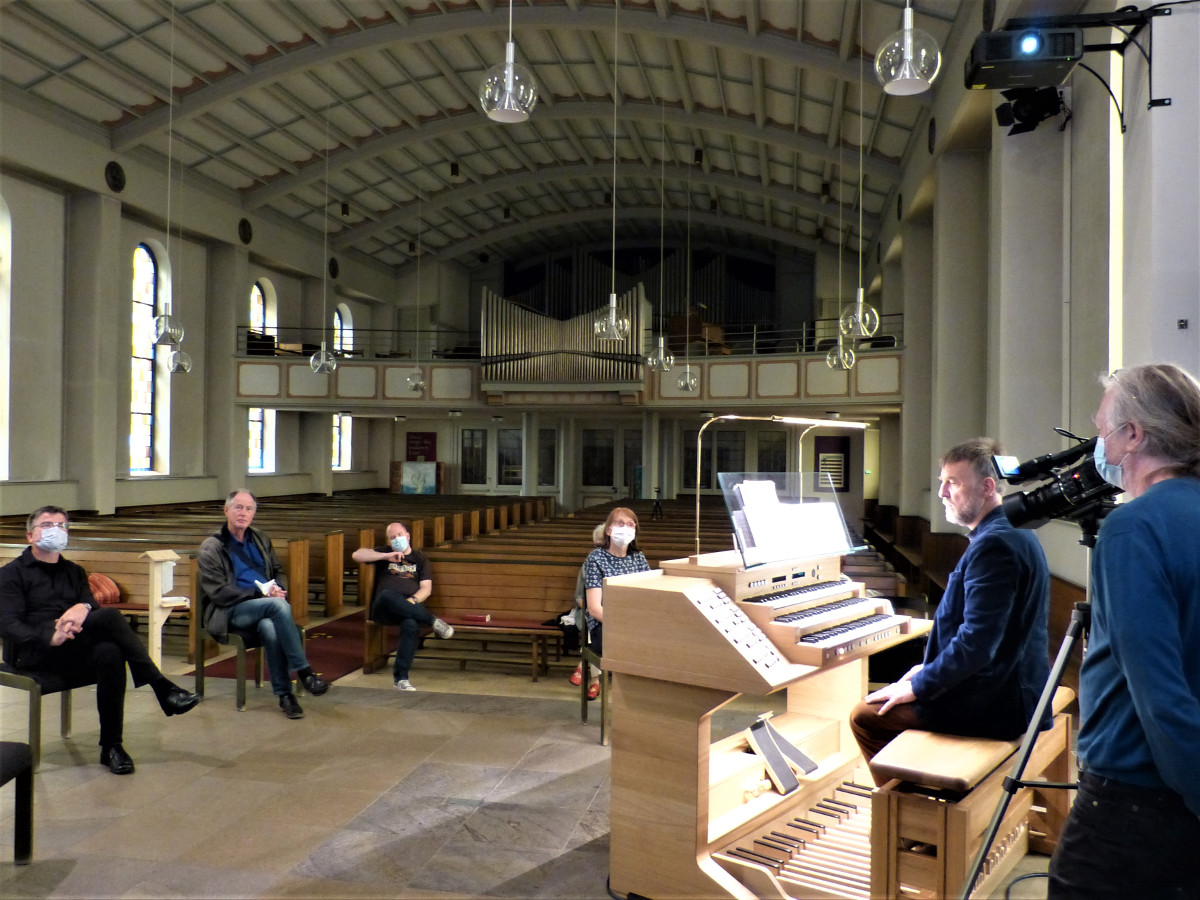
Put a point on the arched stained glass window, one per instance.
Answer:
(143, 359)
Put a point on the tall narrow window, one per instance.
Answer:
(474, 456)
(509, 456)
(343, 329)
(262, 440)
(258, 309)
(772, 451)
(262, 421)
(547, 457)
(596, 462)
(342, 433)
(143, 359)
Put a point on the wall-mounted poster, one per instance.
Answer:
(419, 478)
(420, 446)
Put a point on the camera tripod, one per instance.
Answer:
(1081, 620)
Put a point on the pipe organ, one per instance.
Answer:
(520, 346)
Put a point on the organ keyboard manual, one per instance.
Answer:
(696, 817)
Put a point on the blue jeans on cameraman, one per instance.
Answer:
(272, 618)
(1122, 840)
(391, 608)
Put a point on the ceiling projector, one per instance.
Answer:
(1028, 57)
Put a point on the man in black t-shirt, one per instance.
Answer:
(402, 585)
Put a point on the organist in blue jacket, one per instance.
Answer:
(987, 660)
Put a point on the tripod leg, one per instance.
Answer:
(1013, 783)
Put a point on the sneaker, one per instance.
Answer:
(403, 684)
(291, 709)
(577, 675)
(443, 629)
(593, 690)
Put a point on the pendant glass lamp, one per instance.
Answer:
(688, 381)
(612, 324)
(179, 363)
(168, 330)
(840, 356)
(909, 60)
(323, 362)
(860, 320)
(508, 92)
(661, 359)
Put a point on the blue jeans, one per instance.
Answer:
(271, 617)
(1124, 841)
(391, 608)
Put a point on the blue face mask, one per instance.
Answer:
(1110, 472)
(400, 543)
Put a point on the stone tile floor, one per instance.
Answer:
(482, 783)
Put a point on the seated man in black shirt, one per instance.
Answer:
(402, 585)
(55, 625)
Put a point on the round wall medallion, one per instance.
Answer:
(245, 231)
(114, 177)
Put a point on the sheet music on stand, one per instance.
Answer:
(781, 515)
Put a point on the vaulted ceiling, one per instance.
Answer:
(758, 124)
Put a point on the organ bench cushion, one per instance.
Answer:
(948, 761)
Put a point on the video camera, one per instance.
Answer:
(1075, 492)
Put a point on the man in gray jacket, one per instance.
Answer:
(239, 583)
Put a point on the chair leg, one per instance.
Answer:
(35, 726)
(23, 818)
(605, 711)
(585, 678)
(65, 714)
(241, 677)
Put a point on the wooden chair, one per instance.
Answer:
(36, 684)
(243, 640)
(17, 762)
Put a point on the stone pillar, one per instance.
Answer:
(1026, 295)
(96, 384)
(529, 453)
(227, 305)
(1161, 196)
(960, 311)
(911, 446)
(650, 459)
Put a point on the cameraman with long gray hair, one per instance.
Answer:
(1134, 828)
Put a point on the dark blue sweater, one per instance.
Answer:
(1139, 688)
(987, 659)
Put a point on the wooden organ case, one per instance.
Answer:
(695, 818)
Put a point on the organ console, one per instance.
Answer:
(694, 817)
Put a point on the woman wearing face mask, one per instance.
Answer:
(617, 555)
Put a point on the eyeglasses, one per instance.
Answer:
(241, 507)
(44, 525)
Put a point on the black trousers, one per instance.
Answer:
(1124, 841)
(391, 608)
(100, 652)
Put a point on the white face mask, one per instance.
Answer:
(400, 543)
(622, 535)
(53, 539)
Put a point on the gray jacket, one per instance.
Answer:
(219, 593)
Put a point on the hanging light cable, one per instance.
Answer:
(323, 362)
(860, 320)
(612, 324)
(840, 356)
(508, 92)
(688, 381)
(168, 329)
(416, 381)
(661, 359)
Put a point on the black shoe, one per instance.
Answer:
(314, 684)
(116, 759)
(177, 701)
(291, 709)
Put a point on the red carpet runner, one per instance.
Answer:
(333, 649)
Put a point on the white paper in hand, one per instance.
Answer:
(265, 586)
